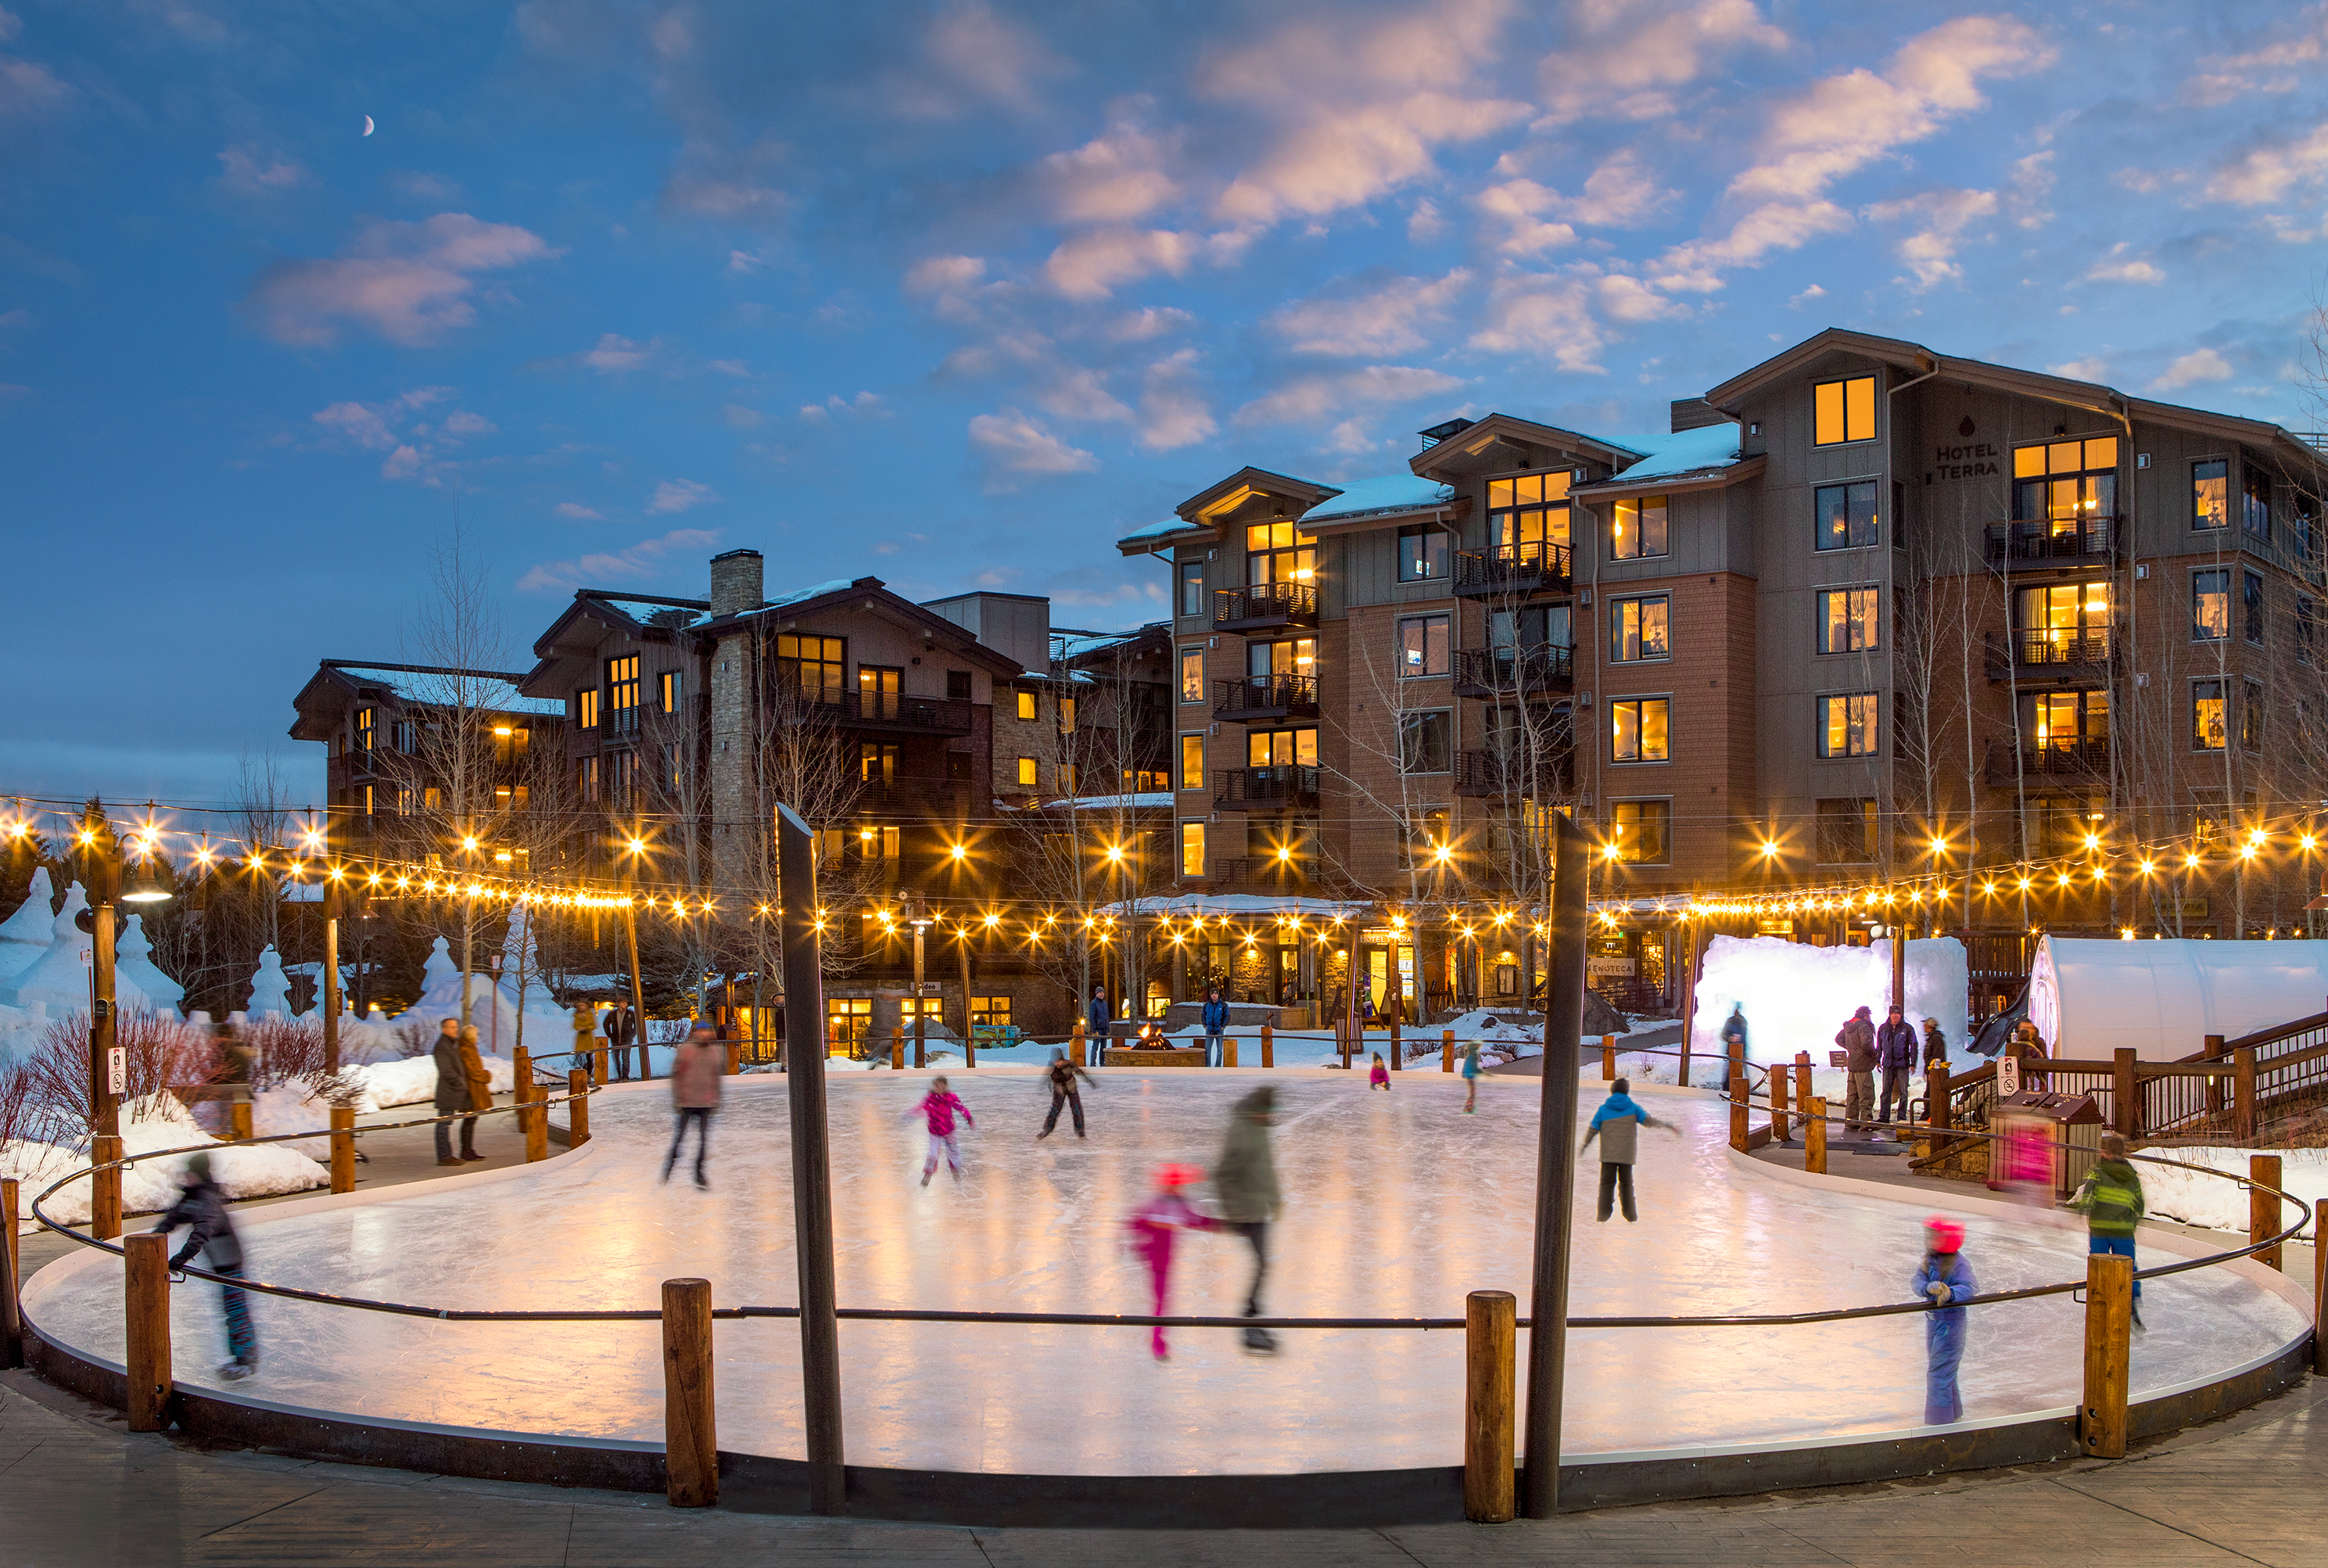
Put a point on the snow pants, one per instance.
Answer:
(1060, 1099)
(241, 1344)
(1255, 1231)
(1943, 1343)
(1616, 1177)
(1159, 1280)
(1858, 1099)
(943, 1140)
(2121, 1246)
(699, 1116)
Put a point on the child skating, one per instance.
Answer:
(1471, 1079)
(1064, 1092)
(1618, 1125)
(2110, 1197)
(1945, 1277)
(939, 1107)
(202, 1209)
(1378, 1075)
(1154, 1226)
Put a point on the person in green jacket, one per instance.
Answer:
(1244, 1182)
(2110, 1197)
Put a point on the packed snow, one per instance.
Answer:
(1798, 996)
(151, 1122)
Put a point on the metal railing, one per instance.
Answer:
(2056, 757)
(1513, 773)
(1544, 670)
(1265, 788)
(1265, 604)
(1248, 698)
(2041, 647)
(1512, 568)
(2068, 539)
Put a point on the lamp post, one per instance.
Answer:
(147, 882)
(918, 918)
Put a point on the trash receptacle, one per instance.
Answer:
(2058, 1120)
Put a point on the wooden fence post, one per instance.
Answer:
(577, 1109)
(1396, 1049)
(2243, 1092)
(1228, 1049)
(1268, 1047)
(2127, 1095)
(735, 1058)
(2319, 1289)
(12, 1317)
(1447, 1050)
(691, 1439)
(2263, 1207)
(238, 1120)
(1076, 1045)
(969, 1047)
(105, 1189)
(1489, 1474)
(1802, 1083)
(343, 1149)
(1608, 1058)
(2212, 1050)
(2109, 1335)
(145, 1311)
(1738, 1098)
(1814, 1137)
(897, 1050)
(1778, 1105)
(1936, 1111)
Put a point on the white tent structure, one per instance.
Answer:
(2090, 995)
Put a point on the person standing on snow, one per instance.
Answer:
(1063, 1074)
(480, 1091)
(1244, 1183)
(696, 1068)
(1618, 1125)
(1215, 1020)
(1152, 1226)
(1857, 1038)
(202, 1209)
(1945, 1277)
(1895, 1053)
(1733, 1033)
(938, 1109)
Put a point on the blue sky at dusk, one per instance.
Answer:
(957, 294)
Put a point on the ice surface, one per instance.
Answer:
(1396, 1204)
(1796, 996)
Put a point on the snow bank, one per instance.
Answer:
(1796, 996)
(412, 1079)
(158, 1121)
(2210, 1201)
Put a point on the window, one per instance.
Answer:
(1639, 829)
(2251, 716)
(2255, 502)
(991, 1012)
(1637, 729)
(958, 688)
(1422, 553)
(1192, 849)
(1846, 831)
(669, 782)
(1537, 626)
(812, 668)
(880, 690)
(670, 689)
(404, 800)
(2060, 726)
(1029, 776)
(2303, 525)
(2307, 629)
(368, 800)
(1847, 725)
(2210, 493)
(623, 694)
(622, 774)
(1637, 528)
(2065, 483)
(406, 735)
(1427, 834)
(510, 743)
(1192, 587)
(1067, 716)
(1026, 707)
(1636, 629)
(1282, 749)
(1531, 511)
(1847, 515)
(1843, 411)
(876, 763)
(847, 1021)
(958, 766)
(1423, 646)
(1846, 621)
(2209, 729)
(1293, 656)
(585, 781)
(2211, 606)
(875, 842)
(1272, 555)
(364, 730)
(1426, 742)
(586, 710)
(1192, 762)
(1192, 677)
(2251, 602)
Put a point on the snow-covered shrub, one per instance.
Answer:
(159, 1050)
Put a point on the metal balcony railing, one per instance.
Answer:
(1261, 789)
(2039, 645)
(892, 710)
(1511, 569)
(2069, 541)
(1252, 698)
(1498, 773)
(1546, 671)
(1265, 606)
(2055, 756)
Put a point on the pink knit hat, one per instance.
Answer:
(1946, 1234)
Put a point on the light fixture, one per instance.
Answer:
(148, 881)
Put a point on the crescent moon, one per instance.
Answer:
(367, 130)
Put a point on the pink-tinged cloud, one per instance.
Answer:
(1011, 442)
(248, 172)
(409, 283)
(675, 495)
(640, 562)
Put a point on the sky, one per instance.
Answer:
(957, 294)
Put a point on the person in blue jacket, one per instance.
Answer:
(1618, 1125)
(1217, 1024)
(1945, 1277)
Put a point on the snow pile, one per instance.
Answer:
(24, 936)
(1796, 996)
(2210, 1200)
(411, 1080)
(1482, 1026)
(59, 977)
(155, 1121)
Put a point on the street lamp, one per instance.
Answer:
(919, 919)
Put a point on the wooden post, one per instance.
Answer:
(1608, 1058)
(691, 1440)
(969, 1049)
(2128, 1108)
(898, 1050)
(1076, 1045)
(1555, 1166)
(2243, 1092)
(2319, 1287)
(238, 1119)
(921, 1057)
(535, 1121)
(1447, 1050)
(12, 1316)
(330, 977)
(578, 1108)
(1936, 1097)
(1737, 1097)
(1268, 1047)
(343, 1149)
(638, 991)
(811, 1168)
(1489, 1338)
(585, 1057)
(1802, 1085)
(145, 1311)
(2212, 1049)
(735, 1058)
(1688, 996)
(1228, 1050)
(2109, 1337)
(1396, 1050)
(1815, 1136)
(2263, 1205)
(105, 1193)
(1778, 1105)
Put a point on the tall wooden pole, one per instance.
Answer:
(638, 990)
(811, 1164)
(104, 1088)
(1555, 1171)
(332, 976)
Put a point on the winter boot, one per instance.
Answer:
(1260, 1340)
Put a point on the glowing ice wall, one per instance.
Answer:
(1796, 996)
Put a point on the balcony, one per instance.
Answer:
(1498, 775)
(1258, 698)
(914, 796)
(2062, 541)
(1548, 671)
(1267, 871)
(1265, 789)
(1265, 608)
(1511, 569)
(2062, 757)
(2066, 652)
(891, 712)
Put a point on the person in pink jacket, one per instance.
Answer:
(939, 1107)
(1153, 1225)
(695, 1072)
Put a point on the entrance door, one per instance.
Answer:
(878, 690)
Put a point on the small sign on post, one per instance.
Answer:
(2008, 1077)
(116, 1070)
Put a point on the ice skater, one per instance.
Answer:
(1472, 1077)
(1945, 1277)
(1618, 1125)
(1245, 1181)
(1378, 1075)
(939, 1107)
(1064, 1091)
(2110, 1197)
(202, 1209)
(1152, 1226)
(696, 1068)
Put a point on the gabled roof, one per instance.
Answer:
(1707, 457)
(1199, 517)
(873, 595)
(1386, 495)
(339, 683)
(1461, 452)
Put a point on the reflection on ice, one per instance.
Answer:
(1397, 1205)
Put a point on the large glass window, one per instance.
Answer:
(623, 694)
(2065, 484)
(812, 668)
(1428, 832)
(2251, 715)
(1846, 831)
(2065, 722)
(1192, 676)
(1425, 646)
(1422, 553)
(1272, 555)
(1847, 725)
(880, 690)
(1536, 626)
(1192, 849)
(365, 732)
(1847, 515)
(2211, 606)
(1282, 748)
(586, 711)
(1192, 762)
(1426, 742)
(1531, 509)
(1638, 529)
(2255, 502)
(1636, 629)
(1192, 587)
(1638, 730)
(1843, 411)
(670, 689)
(2062, 623)
(1287, 656)
(1028, 703)
(1029, 774)
(1641, 830)
(2210, 725)
(2251, 604)
(2210, 493)
(1847, 621)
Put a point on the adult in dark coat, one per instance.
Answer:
(452, 1086)
(619, 1034)
(1857, 1038)
(1895, 1053)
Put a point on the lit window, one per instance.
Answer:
(1282, 748)
(1637, 729)
(2211, 606)
(1846, 831)
(2251, 716)
(364, 730)
(1422, 553)
(1843, 411)
(1638, 629)
(1846, 621)
(1192, 587)
(1641, 830)
(1425, 646)
(1847, 725)
(586, 708)
(812, 670)
(623, 694)
(1528, 513)
(1272, 556)
(2210, 493)
(1067, 716)
(1026, 707)
(2210, 729)
(1192, 762)
(670, 688)
(2255, 502)
(1639, 528)
(992, 1011)
(1192, 849)
(1192, 675)
(2065, 483)
(1847, 515)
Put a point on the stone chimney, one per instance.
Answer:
(735, 582)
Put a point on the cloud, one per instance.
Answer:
(2091, 368)
(357, 423)
(1173, 412)
(464, 424)
(2199, 365)
(2265, 174)
(1313, 400)
(729, 184)
(424, 187)
(675, 495)
(1550, 317)
(577, 512)
(1011, 442)
(835, 405)
(28, 91)
(1839, 125)
(617, 354)
(416, 449)
(640, 562)
(1931, 252)
(1385, 320)
(955, 286)
(1117, 177)
(1094, 264)
(1079, 392)
(2277, 67)
(1806, 297)
(246, 172)
(1621, 194)
(1627, 59)
(1139, 326)
(970, 58)
(2118, 267)
(728, 367)
(409, 283)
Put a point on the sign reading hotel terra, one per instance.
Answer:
(1969, 460)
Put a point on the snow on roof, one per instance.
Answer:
(1071, 643)
(1158, 799)
(1697, 451)
(1242, 904)
(817, 592)
(1171, 525)
(1389, 493)
(653, 612)
(490, 692)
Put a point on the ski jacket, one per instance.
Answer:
(1064, 1074)
(1947, 1269)
(1618, 1125)
(940, 1109)
(1244, 1179)
(1857, 1038)
(2110, 1197)
(1895, 1046)
(1216, 1017)
(695, 1073)
(202, 1209)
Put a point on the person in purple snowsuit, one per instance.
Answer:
(1153, 1225)
(938, 1108)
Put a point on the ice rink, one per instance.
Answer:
(1397, 1204)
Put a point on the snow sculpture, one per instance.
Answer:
(24, 936)
(270, 993)
(134, 970)
(60, 976)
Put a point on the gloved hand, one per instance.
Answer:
(1937, 1291)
